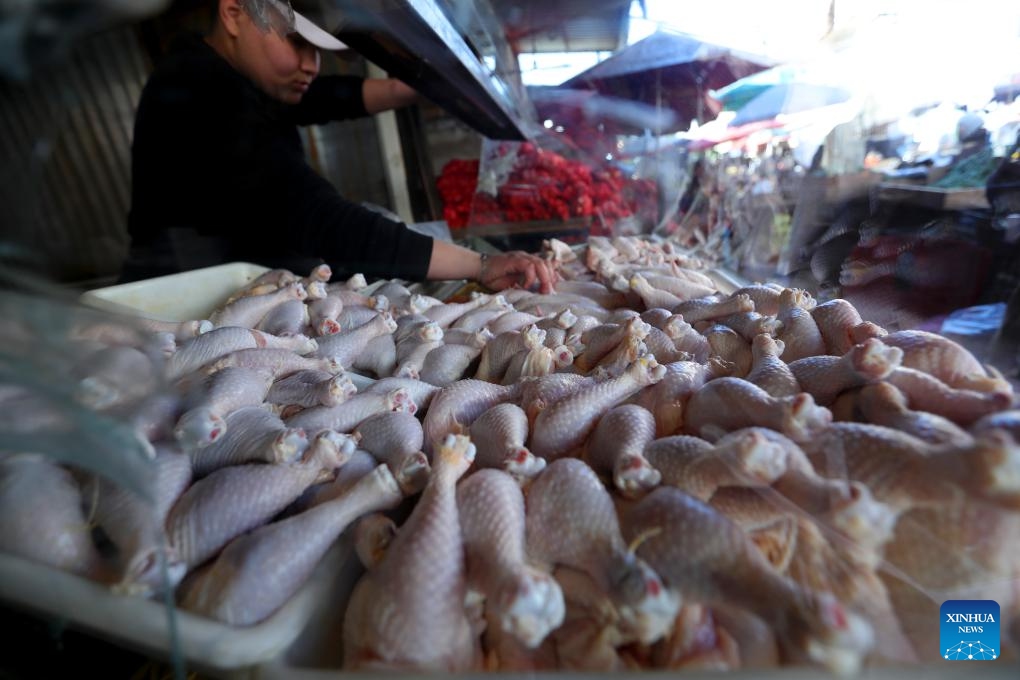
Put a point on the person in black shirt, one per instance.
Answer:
(219, 172)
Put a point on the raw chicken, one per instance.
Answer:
(136, 526)
(221, 342)
(730, 347)
(1006, 420)
(825, 377)
(497, 354)
(708, 559)
(707, 308)
(266, 282)
(41, 516)
(447, 364)
(231, 501)
(686, 339)
(355, 316)
(571, 521)
(562, 427)
(797, 329)
(344, 347)
(258, 572)
(883, 404)
(181, 330)
(513, 321)
(836, 320)
(222, 393)
(390, 437)
(458, 404)
(373, 535)
(728, 404)
(764, 296)
(114, 376)
(288, 318)
(499, 435)
(907, 472)
(322, 315)
(749, 324)
(348, 415)
(616, 446)
(946, 360)
(421, 393)
(602, 340)
(407, 613)
(927, 393)
(311, 388)
(277, 362)
(446, 314)
(741, 458)
(253, 434)
(526, 603)
(247, 311)
(379, 358)
(768, 371)
(656, 297)
(668, 398)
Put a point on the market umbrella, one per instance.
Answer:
(788, 98)
(734, 96)
(671, 70)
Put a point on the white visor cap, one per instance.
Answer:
(308, 30)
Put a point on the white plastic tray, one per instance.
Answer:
(177, 297)
(144, 625)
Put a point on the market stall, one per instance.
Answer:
(757, 426)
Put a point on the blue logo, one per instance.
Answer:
(969, 630)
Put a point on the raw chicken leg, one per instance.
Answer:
(741, 458)
(458, 404)
(667, 398)
(825, 377)
(345, 347)
(137, 527)
(883, 404)
(41, 516)
(288, 318)
(231, 501)
(768, 371)
(907, 472)
(927, 393)
(562, 427)
(730, 347)
(379, 358)
(221, 342)
(277, 362)
(708, 559)
(247, 311)
(447, 364)
(390, 437)
(408, 612)
(420, 392)
(836, 320)
(258, 572)
(707, 308)
(946, 360)
(222, 393)
(253, 434)
(616, 445)
(571, 521)
(526, 602)
(797, 329)
(311, 388)
(728, 404)
(348, 415)
(499, 435)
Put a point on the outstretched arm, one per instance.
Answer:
(500, 271)
(383, 94)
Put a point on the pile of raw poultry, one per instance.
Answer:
(635, 471)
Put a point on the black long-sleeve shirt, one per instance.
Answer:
(219, 174)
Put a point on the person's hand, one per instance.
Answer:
(518, 269)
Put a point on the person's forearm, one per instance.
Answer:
(451, 261)
(383, 94)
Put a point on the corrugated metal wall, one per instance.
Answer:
(65, 140)
(65, 157)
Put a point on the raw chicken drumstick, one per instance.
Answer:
(407, 613)
(707, 558)
(258, 572)
(616, 446)
(526, 602)
(499, 435)
(571, 521)
(825, 377)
